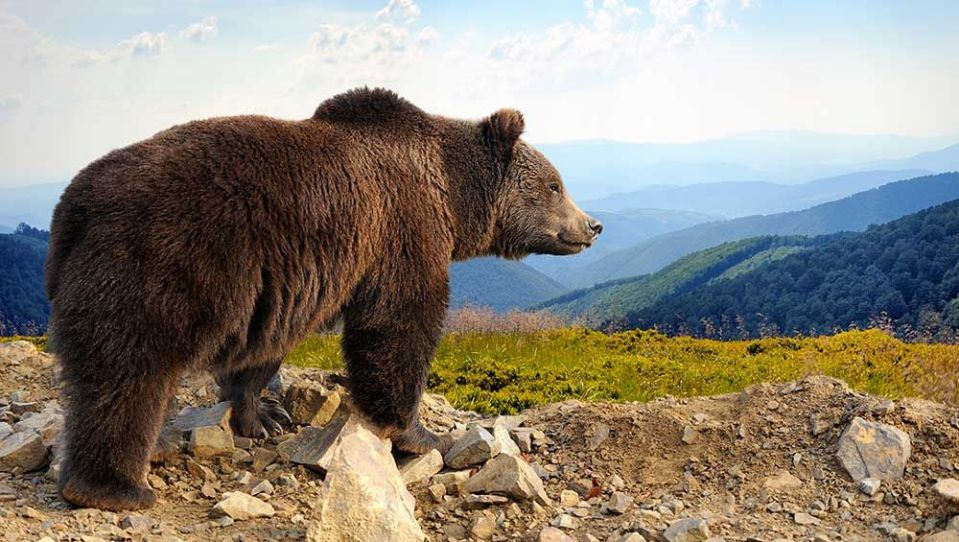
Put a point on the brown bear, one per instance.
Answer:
(220, 244)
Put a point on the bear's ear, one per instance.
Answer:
(501, 130)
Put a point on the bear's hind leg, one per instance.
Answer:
(114, 413)
(253, 416)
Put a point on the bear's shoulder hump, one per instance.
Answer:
(366, 105)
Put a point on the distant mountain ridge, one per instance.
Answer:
(499, 284)
(903, 274)
(853, 213)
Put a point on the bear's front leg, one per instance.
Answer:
(253, 416)
(388, 342)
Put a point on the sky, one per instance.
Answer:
(80, 78)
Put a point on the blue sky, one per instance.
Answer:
(83, 77)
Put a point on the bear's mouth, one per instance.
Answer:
(578, 245)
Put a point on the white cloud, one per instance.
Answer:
(144, 43)
(200, 31)
(9, 103)
(404, 10)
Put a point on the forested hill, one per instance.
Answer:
(853, 213)
(499, 284)
(23, 303)
(906, 271)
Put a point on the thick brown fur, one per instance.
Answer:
(220, 244)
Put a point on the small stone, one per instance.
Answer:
(48, 423)
(240, 506)
(476, 446)
(510, 476)
(522, 436)
(565, 521)
(869, 486)
(211, 441)
(947, 488)
(783, 480)
(598, 436)
(263, 487)
(903, 535)
(552, 534)
(421, 467)
(616, 481)
(687, 530)
(874, 450)
(482, 528)
(802, 518)
(505, 441)
(437, 492)
(24, 451)
(568, 498)
(136, 523)
(451, 480)
(263, 458)
(690, 435)
(310, 403)
(944, 536)
(618, 503)
(476, 502)
(632, 537)
(191, 417)
(314, 447)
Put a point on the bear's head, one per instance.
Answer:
(534, 213)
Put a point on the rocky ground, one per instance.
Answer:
(807, 460)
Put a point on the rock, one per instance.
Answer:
(16, 352)
(310, 403)
(568, 498)
(632, 537)
(190, 418)
(5, 430)
(508, 475)
(598, 436)
(618, 503)
(944, 536)
(802, 518)
(363, 496)
(263, 458)
(687, 530)
(211, 441)
(874, 450)
(482, 528)
(523, 437)
(168, 446)
(504, 441)
(137, 523)
(689, 435)
(263, 486)
(314, 447)
(476, 446)
(437, 492)
(48, 423)
(239, 506)
(869, 486)
(819, 423)
(903, 535)
(451, 480)
(421, 467)
(783, 480)
(947, 488)
(476, 502)
(552, 534)
(565, 521)
(23, 451)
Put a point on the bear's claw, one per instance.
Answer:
(262, 422)
(419, 440)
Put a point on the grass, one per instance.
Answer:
(507, 372)
(494, 372)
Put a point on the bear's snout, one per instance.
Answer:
(594, 226)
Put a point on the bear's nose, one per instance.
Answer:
(594, 225)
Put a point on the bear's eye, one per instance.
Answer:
(554, 187)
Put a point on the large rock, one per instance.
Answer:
(314, 447)
(310, 403)
(475, 447)
(23, 450)
(421, 467)
(363, 496)
(239, 506)
(874, 450)
(508, 475)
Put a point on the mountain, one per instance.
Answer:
(736, 199)
(621, 229)
(499, 284)
(904, 275)
(595, 169)
(32, 204)
(610, 302)
(23, 302)
(853, 213)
